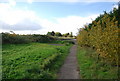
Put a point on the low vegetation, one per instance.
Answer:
(92, 68)
(13, 38)
(32, 56)
(32, 61)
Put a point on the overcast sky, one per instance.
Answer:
(41, 16)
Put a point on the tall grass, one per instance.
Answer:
(32, 61)
(93, 68)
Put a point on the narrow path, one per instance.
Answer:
(69, 69)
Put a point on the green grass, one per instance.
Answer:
(92, 68)
(32, 61)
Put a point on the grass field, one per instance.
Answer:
(32, 61)
(92, 68)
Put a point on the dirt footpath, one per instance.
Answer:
(69, 70)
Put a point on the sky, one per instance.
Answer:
(41, 16)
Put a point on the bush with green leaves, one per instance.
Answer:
(8, 38)
(102, 34)
(14, 39)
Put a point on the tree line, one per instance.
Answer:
(58, 34)
(103, 36)
(12, 38)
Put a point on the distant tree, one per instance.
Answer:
(66, 34)
(70, 35)
(51, 33)
(12, 32)
(58, 34)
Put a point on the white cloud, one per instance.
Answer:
(99, 0)
(66, 24)
(30, 1)
(62, 1)
(26, 21)
(22, 25)
(11, 16)
(115, 6)
(12, 2)
(15, 19)
(72, 23)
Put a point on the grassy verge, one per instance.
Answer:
(32, 61)
(92, 68)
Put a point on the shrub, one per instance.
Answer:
(102, 34)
